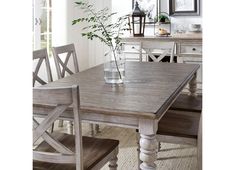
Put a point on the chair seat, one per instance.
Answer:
(179, 124)
(186, 102)
(94, 150)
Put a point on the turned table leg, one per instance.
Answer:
(92, 129)
(193, 85)
(113, 162)
(148, 144)
(138, 148)
(97, 128)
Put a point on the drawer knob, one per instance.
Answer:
(194, 49)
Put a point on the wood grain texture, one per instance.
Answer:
(179, 123)
(188, 47)
(187, 102)
(148, 91)
(184, 102)
(62, 98)
(62, 66)
(82, 153)
(182, 127)
(94, 151)
(41, 55)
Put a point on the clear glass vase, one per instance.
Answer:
(114, 66)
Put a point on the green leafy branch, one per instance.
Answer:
(100, 26)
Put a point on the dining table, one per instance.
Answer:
(140, 102)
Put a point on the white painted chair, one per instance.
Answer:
(160, 49)
(62, 56)
(64, 151)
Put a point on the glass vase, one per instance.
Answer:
(114, 66)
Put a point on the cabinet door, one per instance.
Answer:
(133, 52)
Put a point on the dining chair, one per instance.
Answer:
(182, 127)
(40, 57)
(62, 64)
(58, 150)
(62, 56)
(157, 51)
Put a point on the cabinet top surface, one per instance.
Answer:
(193, 36)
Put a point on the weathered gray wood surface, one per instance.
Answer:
(62, 66)
(148, 91)
(41, 55)
(74, 150)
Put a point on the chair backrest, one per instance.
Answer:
(62, 66)
(41, 55)
(159, 48)
(61, 98)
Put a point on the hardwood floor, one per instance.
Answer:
(170, 157)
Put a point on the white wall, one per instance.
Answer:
(64, 12)
(90, 53)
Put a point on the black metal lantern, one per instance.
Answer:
(137, 21)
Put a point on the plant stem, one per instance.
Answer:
(115, 59)
(110, 42)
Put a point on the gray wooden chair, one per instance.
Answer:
(62, 67)
(40, 57)
(182, 127)
(63, 151)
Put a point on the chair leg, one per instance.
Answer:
(199, 158)
(113, 161)
(159, 146)
(60, 123)
(70, 127)
(52, 127)
(199, 145)
(97, 128)
(138, 149)
(92, 129)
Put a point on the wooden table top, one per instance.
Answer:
(148, 90)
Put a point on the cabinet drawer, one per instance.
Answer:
(131, 48)
(191, 49)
